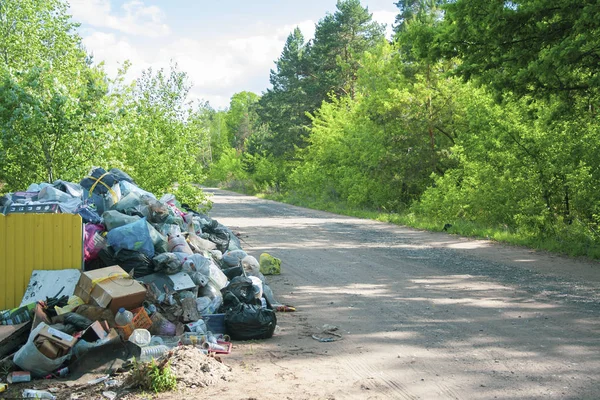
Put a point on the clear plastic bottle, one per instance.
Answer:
(124, 318)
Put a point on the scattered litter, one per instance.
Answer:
(109, 395)
(98, 380)
(18, 376)
(38, 394)
(327, 334)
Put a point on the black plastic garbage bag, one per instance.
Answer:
(218, 236)
(100, 180)
(249, 321)
(88, 214)
(121, 175)
(241, 287)
(128, 260)
(232, 272)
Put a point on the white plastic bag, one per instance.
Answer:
(29, 358)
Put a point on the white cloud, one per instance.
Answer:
(136, 18)
(388, 18)
(218, 66)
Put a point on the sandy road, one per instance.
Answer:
(423, 315)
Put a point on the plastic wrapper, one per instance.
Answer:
(70, 206)
(251, 265)
(233, 258)
(71, 188)
(128, 187)
(51, 194)
(134, 236)
(268, 294)
(269, 265)
(130, 204)
(216, 254)
(203, 305)
(120, 175)
(158, 239)
(210, 290)
(168, 263)
(198, 245)
(154, 210)
(217, 276)
(140, 337)
(257, 285)
(114, 219)
(195, 262)
(88, 214)
(232, 272)
(93, 242)
(162, 326)
(99, 181)
(177, 243)
(29, 358)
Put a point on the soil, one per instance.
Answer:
(422, 315)
(419, 315)
(194, 369)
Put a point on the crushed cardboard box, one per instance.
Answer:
(110, 287)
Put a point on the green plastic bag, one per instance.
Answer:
(269, 265)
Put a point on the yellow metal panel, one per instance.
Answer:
(36, 241)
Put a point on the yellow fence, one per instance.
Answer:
(36, 241)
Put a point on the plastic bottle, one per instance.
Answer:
(124, 318)
(192, 338)
(197, 327)
(141, 337)
(150, 352)
(37, 394)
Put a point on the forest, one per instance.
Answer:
(478, 117)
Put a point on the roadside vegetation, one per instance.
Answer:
(477, 114)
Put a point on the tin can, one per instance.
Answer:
(19, 376)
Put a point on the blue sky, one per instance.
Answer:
(225, 46)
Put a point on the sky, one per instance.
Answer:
(225, 46)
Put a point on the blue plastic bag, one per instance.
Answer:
(134, 236)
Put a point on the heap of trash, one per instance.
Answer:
(157, 275)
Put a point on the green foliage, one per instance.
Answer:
(536, 47)
(228, 168)
(51, 100)
(47, 126)
(153, 376)
(242, 119)
(153, 140)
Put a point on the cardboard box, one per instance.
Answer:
(96, 331)
(110, 287)
(53, 343)
(49, 349)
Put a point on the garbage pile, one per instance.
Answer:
(157, 275)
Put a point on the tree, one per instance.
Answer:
(526, 47)
(49, 128)
(51, 99)
(333, 55)
(284, 106)
(242, 120)
(158, 142)
(36, 32)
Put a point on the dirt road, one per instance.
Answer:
(423, 315)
